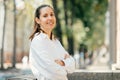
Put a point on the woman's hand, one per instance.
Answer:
(66, 56)
(60, 62)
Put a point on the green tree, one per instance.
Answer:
(69, 25)
(92, 14)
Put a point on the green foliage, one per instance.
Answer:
(92, 14)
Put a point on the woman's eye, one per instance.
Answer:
(52, 14)
(45, 16)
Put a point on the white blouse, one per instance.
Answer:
(43, 53)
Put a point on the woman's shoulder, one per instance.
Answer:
(39, 37)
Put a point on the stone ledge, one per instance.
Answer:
(115, 66)
(80, 75)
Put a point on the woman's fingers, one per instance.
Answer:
(67, 56)
(60, 62)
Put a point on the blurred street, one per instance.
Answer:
(20, 70)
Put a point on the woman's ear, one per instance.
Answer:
(37, 20)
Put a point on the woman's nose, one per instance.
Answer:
(49, 17)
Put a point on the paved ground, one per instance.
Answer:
(25, 69)
(20, 70)
(13, 72)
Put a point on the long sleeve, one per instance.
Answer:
(42, 64)
(69, 64)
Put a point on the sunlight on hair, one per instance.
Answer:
(41, 2)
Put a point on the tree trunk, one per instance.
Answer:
(65, 12)
(3, 37)
(70, 45)
(14, 37)
(58, 26)
(69, 38)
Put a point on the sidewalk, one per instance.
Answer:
(25, 69)
(98, 66)
(20, 70)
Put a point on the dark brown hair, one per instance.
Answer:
(36, 26)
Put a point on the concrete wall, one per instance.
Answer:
(80, 75)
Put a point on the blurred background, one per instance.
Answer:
(83, 27)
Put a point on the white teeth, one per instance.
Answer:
(50, 23)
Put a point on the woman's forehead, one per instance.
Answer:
(46, 10)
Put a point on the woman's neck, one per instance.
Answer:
(48, 33)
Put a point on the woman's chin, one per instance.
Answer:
(51, 26)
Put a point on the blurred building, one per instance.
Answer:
(114, 9)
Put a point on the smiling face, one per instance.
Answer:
(47, 20)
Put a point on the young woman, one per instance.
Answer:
(48, 58)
